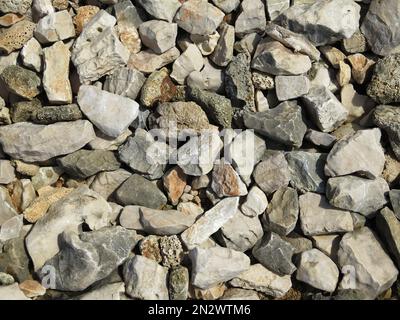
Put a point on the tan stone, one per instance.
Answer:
(32, 288)
(16, 36)
(333, 55)
(361, 67)
(147, 61)
(83, 15)
(391, 171)
(174, 182)
(213, 293)
(60, 4)
(26, 169)
(343, 76)
(10, 18)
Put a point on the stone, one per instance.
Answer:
(113, 291)
(343, 75)
(248, 43)
(171, 251)
(159, 9)
(130, 218)
(333, 55)
(240, 294)
(15, 37)
(178, 283)
(137, 190)
(274, 58)
(83, 15)
(283, 211)
(226, 182)
(69, 213)
(357, 194)
(359, 153)
(31, 55)
(15, 6)
(389, 228)
(357, 43)
(210, 222)
(298, 242)
(207, 43)
(215, 265)
(251, 19)
(391, 172)
(5, 116)
(127, 27)
(147, 61)
(157, 88)
(12, 292)
(46, 176)
(325, 109)
(261, 101)
(190, 60)
(323, 22)
(227, 6)
(50, 140)
(283, 124)
(317, 270)
(213, 293)
(89, 257)
(275, 254)
(104, 142)
(32, 288)
(11, 228)
(6, 279)
(361, 67)
(318, 217)
(209, 78)
(241, 232)
(20, 81)
(307, 170)
(110, 113)
(272, 173)
(223, 52)
(321, 75)
(145, 279)
(394, 196)
(327, 244)
(158, 35)
(128, 14)
(259, 278)
(380, 19)
(255, 204)
(54, 114)
(197, 156)
(291, 87)
(238, 82)
(54, 27)
(7, 172)
(276, 7)
(356, 104)
(9, 19)
(125, 82)
(199, 17)
(22, 111)
(375, 271)
(217, 107)
(105, 183)
(174, 182)
(384, 82)
(56, 73)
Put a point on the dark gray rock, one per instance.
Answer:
(52, 114)
(320, 139)
(23, 110)
(389, 229)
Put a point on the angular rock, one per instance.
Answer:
(174, 182)
(11, 229)
(105, 183)
(53, 114)
(130, 218)
(54, 27)
(226, 182)
(7, 172)
(223, 52)
(389, 228)
(31, 55)
(157, 35)
(356, 104)
(209, 78)
(15, 37)
(327, 244)
(394, 196)
(22, 111)
(104, 142)
(128, 21)
(361, 67)
(343, 75)
(125, 82)
(333, 55)
(190, 60)
(46, 176)
(157, 88)
(227, 6)
(178, 283)
(355, 44)
(160, 9)
(251, 19)
(291, 87)
(147, 61)
(20, 81)
(83, 15)
(255, 204)
(15, 6)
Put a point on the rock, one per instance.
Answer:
(389, 228)
(209, 78)
(22, 111)
(261, 101)
(317, 270)
(125, 82)
(21, 81)
(12, 292)
(54, 27)
(112, 291)
(323, 22)
(318, 217)
(128, 14)
(238, 83)
(391, 172)
(11, 228)
(190, 60)
(276, 7)
(213, 293)
(46, 176)
(272, 173)
(361, 67)
(283, 211)
(215, 265)
(275, 254)
(174, 182)
(360, 195)
(137, 190)
(227, 6)
(283, 124)
(241, 232)
(394, 196)
(251, 19)
(104, 142)
(261, 279)
(157, 88)
(357, 43)
(157, 35)
(359, 153)
(31, 55)
(343, 75)
(199, 17)
(171, 251)
(15, 6)
(274, 58)
(327, 244)
(255, 204)
(325, 109)
(178, 283)
(9, 19)
(298, 242)
(240, 294)
(375, 271)
(210, 222)
(291, 87)
(216, 106)
(356, 104)
(50, 141)
(130, 218)
(56, 73)
(128, 21)
(380, 19)
(248, 43)
(15, 37)
(81, 205)
(159, 9)
(147, 61)
(384, 83)
(223, 52)
(145, 279)
(53, 114)
(32, 288)
(197, 156)
(83, 15)
(110, 113)
(333, 55)
(321, 75)
(7, 174)
(307, 171)
(6, 279)
(206, 43)
(5, 116)
(105, 183)
(226, 182)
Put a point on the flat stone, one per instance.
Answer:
(110, 113)
(15, 6)
(20, 81)
(298, 242)
(356, 104)
(291, 87)
(327, 244)
(251, 19)
(31, 55)
(373, 270)
(105, 183)
(274, 58)
(50, 141)
(104, 142)
(137, 190)
(333, 55)
(157, 35)
(125, 82)
(53, 114)
(359, 153)
(190, 60)
(210, 222)
(389, 228)
(157, 88)
(215, 265)
(318, 217)
(317, 270)
(174, 182)
(209, 78)
(7, 172)
(275, 254)
(15, 37)
(160, 9)
(130, 218)
(223, 52)
(178, 283)
(54, 27)
(12, 292)
(325, 109)
(147, 61)
(357, 194)
(255, 204)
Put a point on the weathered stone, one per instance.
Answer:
(104, 142)
(226, 182)
(356, 104)
(157, 35)
(394, 196)
(53, 114)
(157, 88)
(248, 44)
(15, 6)
(171, 251)
(106, 183)
(174, 182)
(83, 15)
(129, 15)
(291, 87)
(54, 27)
(190, 60)
(6, 279)
(389, 229)
(298, 242)
(333, 55)
(178, 283)
(209, 78)
(11, 228)
(207, 43)
(7, 174)
(130, 218)
(20, 81)
(327, 244)
(32, 288)
(223, 52)
(343, 75)
(46, 176)
(160, 9)
(50, 141)
(255, 204)
(15, 37)
(125, 82)
(22, 111)
(150, 248)
(31, 55)
(357, 43)
(213, 293)
(227, 6)
(361, 67)
(147, 61)
(321, 75)
(251, 19)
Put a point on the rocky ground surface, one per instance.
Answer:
(110, 188)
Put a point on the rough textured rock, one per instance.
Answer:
(160, 9)
(157, 35)
(209, 78)
(394, 196)
(223, 52)
(22, 111)
(15, 6)
(157, 88)
(54, 27)
(20, 81)
(53, 114)
(178, 282)
(255, 204)
(125, 82)
(171, 251)
(15, 37)
(7, 172)
(356, 104)
(31, 55)
(389, 229)
(105, 183)
(226, 182)
(147, 61)
(174, 181)
(190, 60)
(251, 19)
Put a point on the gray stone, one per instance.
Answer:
(49, 140)
(54, 27)
(157, 35)
(178, 283)
(105, 183)
(31, 55)
(15, 6)
(161, 9)
(53, 114)
(357, 43)
(190, 60)
(321, 75)
(137, 190)
(147, 61)
(248, 44)
(251, 19)
(298, 242)
(394, 196)
(227, 6)
(104, 142)
(205, 43)
(223, 52)
(215, 265)
(389, 229)
(7, 172)
(357, 194)
(20, 81)
(291, 87)
(126, 82)
(46, 176)
(11, 228)
(255, 204)
(41, 8)
(209, 78)
(275, 254)
(6, 279)
(113, 291)
(130, 218)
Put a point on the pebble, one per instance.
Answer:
(6, 279)
(32, 288)
(157, 88)
(15, 37)
(54, 27)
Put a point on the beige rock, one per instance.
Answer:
(356, 104)
(343, 75)
(391, 172)
(27, 169)
(16, 36)
(190, 60)
(213, 293)
(10, 18)
(174, 182)
(31, 55)
(147, 61)
(361, 67)
(83, 15)
(32, 288)
(55, 27)
(333, 55)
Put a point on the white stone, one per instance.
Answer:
(291, 87)
(41, 8)
(251, 19)
(7, 172)
(255, 204)
(11, 228)
(46, 176)
(157, 35)
(190, 60)
(55, 27)
(227, 6)
(206, 43)
(276, 7)
(148, 61)
(328, 244)
(31, 55)
(130, 218)
(261, 100)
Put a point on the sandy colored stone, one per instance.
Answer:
(16, 36)
(32, 288)
(174, 182)
(83, 15)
